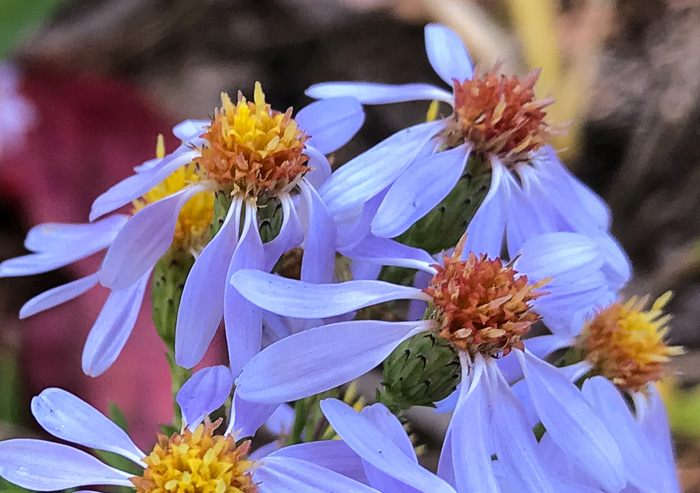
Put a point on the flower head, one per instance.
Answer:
(626, 343)
(482, 305)
(253, 149)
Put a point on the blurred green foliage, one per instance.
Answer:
(19, 19)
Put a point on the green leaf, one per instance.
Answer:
(20, 19)
(116, 415)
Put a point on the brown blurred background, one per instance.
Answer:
(105, 76)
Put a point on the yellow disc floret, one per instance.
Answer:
(626, 343)
(192, 229)
(253, 149)
(197, 462)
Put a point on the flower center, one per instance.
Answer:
(197, 462)
(481, 305)
(499, 115)
(192, 229)
(626, 344)
(253, 149)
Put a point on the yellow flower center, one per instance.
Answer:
(197, 462)
(253, 149)
(481, 305)
(626, 343)
(499, 115)
(192, 228)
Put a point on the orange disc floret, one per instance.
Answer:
(500, 115)
(197, 462)
(626, 343)
(253, 149)
(481, 305)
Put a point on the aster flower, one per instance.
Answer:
(196, 459)
(483, 308)
(495, 119)
(56, 245)
(258, 161)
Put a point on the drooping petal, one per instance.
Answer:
(202, 303)
(447, 54)
(69, 418)
(353, 226)
(113, 327)
(188, 130)
(318, 262)
(137, 185)
(572, 424)
(368, 442)
(372, 93)
(299, 299)
(487, 227)
(280, 474)
(39, 465)
(385, 251)
(319, 166)
(321, 358)
(247, 416)
(331, 123)
(417, 191)
(381, 418)
(372, 171)
(331, 454)
(469, 432)
(55, 236)
(610, 406)
(203, 393)
(58, 295)
(243, 319)
(514, 440)
(290, 235)
(143, 240)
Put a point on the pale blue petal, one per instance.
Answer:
(448, 404)
(321, 358)
(202, 303)
(281, 421)
(487, 227)
(370, 444)
(148, 165)
(447, 54)
(416, 308)
(563, 468)
(380, 417)
(189, 130)
(113, 327)
(330, 454)
(372, 93)
(540, 346)
(318, 262)
(58, 295)
(56, 236)
(143, 240)
(69, 418)
(247, 416)
(203, 393)
(617, 267)
(243, 319)
(319, 166)
(638, 457)
(290, 235)
(470, 429)
(445, 465)
(299, 299)
(353, 226)
(573, 425)
(137, 185)
(385, 251)
(366, 175)
(281, 474)
(331, 123)
(514, 440)
(44, 466)
(418, 190)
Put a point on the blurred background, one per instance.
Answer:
(85, 87)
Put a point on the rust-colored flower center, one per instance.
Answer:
(253, 149)
(481, 305)
(197, 462)
(625, 343)
(500, 115)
